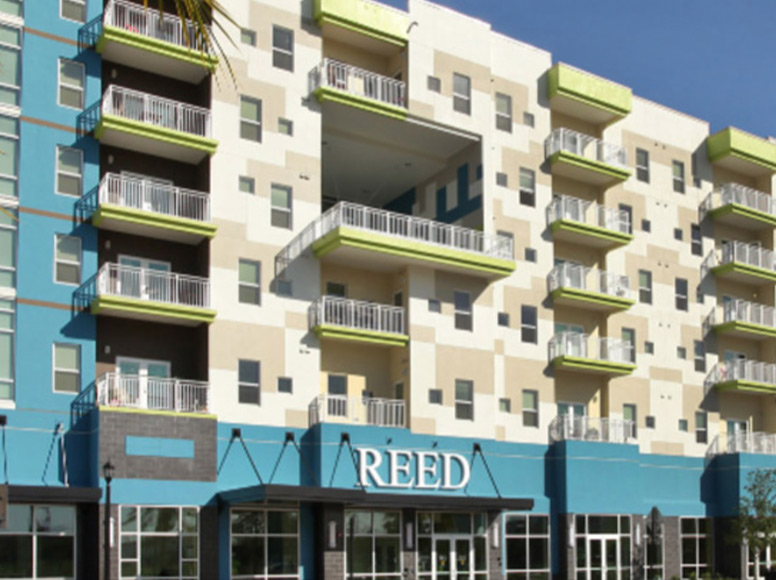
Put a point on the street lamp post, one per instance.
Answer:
(107, 473)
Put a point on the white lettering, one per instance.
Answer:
(466, 473)
(368, 469)
(413, 469)
(395, 458)
(427, 469)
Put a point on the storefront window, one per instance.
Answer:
(452, 545)
(265, 543)
(695, 536)
(767, 560)
(527, 546)
(373, 549)
(603, 547)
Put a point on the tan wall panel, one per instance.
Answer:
(356, 56)
(446, 64)
(230, 341)
(367, 366)
(559, 120)
(462, 363)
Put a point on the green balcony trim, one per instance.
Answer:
(150, 308)
(615, 173)
(574, 227)
(588, 89)
(743, 211)
(363, 103)
(741, 268)
(160, 47)
(375, 242)
(151, 219)
(596, 298)
(732, 142)
(114, 123)
(110, 409)
(367, 336)
(747, 387)
(367, 18)
(592, 365)
(748, 327)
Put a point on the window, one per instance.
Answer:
(247, 184)
(69, 171)
(10, 69)
(285, 385)
(650, 422)
(434, 305)
(530, 408)
(250, 119)
(159, 541)
(12, 7)
(503, 112)
(646, 226)
(683, 426)
(696, 546)
(680, 288)
(630, 413)
(39, 541)
(527, 546)
(527, 187)
(462, 94)
(463, 310)
(597, 535)
(336, 289)
(626, 214)
(71, 83)
(67, 259)
(375, 544)
(530, 255)
(248, 381)
(73, 10)
(464, 399)
(700, 356)
(681, 353)
(435, 396)
(528, 119)
(434, 84)
(67, 368)
(249, 291)
(503, 319)
(502, 179)
(696, 240)
(284, 287)
(286, 127)
(281, 206)
(9, 145)
(505, 405)
(645, 287)
(701, 427)
(8, 247)
(283, 48)
(507, 241)
(7, 326)
(448, 523)
(649, 347)
(528, 324)
(678, 168)
(678, 234)
(248, 36)
(642, 165)
(629, 347)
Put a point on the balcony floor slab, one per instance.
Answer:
(333, 332)
(746, 273)
(745, 330)
(149, 310)
(110, 409)
(153, 225)
(588, 235)
(328, 94)
(588, 365)
(743, 386)
(590, 300)
(741, 216)
(585, 169)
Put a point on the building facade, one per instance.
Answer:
(376, 299)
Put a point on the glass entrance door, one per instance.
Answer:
(145, 279)
(453, 558)
(145, 383)
(604, 559)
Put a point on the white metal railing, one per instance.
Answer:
(397, 225)
(155, 197)
(356, 81)
(153, 285)
(738, 194)
(581, 345)
(605, 430)
(157, 111)
(365, 411)
(148, 22)
(751, 254)
(755, 442)
(590, 279)
(564, 207)
(155, 393)
(742, 370)
(357, 314)
(585, 146)
(742, 311)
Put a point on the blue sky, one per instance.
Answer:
(712, 59)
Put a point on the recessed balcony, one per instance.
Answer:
(357, 411)
(587, 223)
(137, 36)
(742, 262)
(599, 429)
(742, 152)
(745, 376)
(377, 239)
(585, 96)
(155, 126)
(585, 158)
(573, 351)
(742, 319)
(149, 208)
(337, 318)
(145, 294)
(146, 393)
(338, 82)
(740, 206)
(755, 442)
(589, 288)
(366, 19)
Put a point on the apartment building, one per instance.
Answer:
(387, 301)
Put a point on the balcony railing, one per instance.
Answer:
(147, 22)
(153, 286)
(585, 146)
(153, 393)
(333, 74)
(749, 442)
(364, 411)
(602, 429)
(590, 279)
(357, 314)
(564, 207)
(742, 370)
(734, 193)
(155, 197)
(742, 311)
(396, 225)
(741, 252)
(575, 344)
(156, 111)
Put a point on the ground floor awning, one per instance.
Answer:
(52, 494)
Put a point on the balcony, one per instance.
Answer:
(740, 206)
(599, 429)
(589, 288)
(152, 393)
(138, 37)
(587, 223)
(742, 262)
(342, 83)
(755, 442)
(368, 20)
(149, 208)
(746, 376)
(742, 152)
(357, 411)
(574, 351)
(742, 319)
(332, 317)
(585, 96)
(138, 293)
(585, 158)
(154, 125)
(378, 239)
